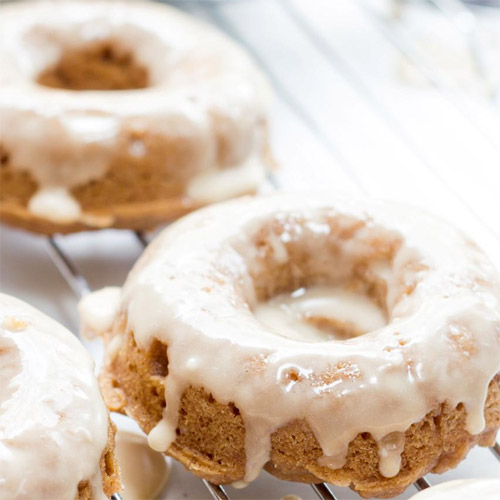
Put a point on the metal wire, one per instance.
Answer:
(495, 449)
(422, 484)
(323, 491)
(68, 270)
(142, 238)
(217, 491)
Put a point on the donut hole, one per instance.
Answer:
(321, 280)
(101, 65)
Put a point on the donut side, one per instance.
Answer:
(134, 193)
(210, 438)
(110, 470)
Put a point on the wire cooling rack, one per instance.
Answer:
(388, 98)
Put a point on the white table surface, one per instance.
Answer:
(364, 104)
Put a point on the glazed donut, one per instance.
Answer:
(462, 489)
(399, 378)
(123, 114)
(56, 439)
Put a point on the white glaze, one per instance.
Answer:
(144, 472)
(462, 489)
(287, 314)
(53, 421)
(100, 308)
(201, 86)
(214, 185)
(193, 289)
(55, 204)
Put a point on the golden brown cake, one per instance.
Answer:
(123, 114)
(56, 439)
(319, 337)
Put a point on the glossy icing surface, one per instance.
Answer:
(296, 315)
(198, 284)
(203, 90)
(53, 421)
(462, 489)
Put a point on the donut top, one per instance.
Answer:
(462, 489)
(53, 421)
(202, 89)
(198, 286)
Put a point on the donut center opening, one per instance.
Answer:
(321, 280)
(98, 66)
(321, 312)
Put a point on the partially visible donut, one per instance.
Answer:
(462, 489)
(123, 114)
(56, 439)
(372, 405)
